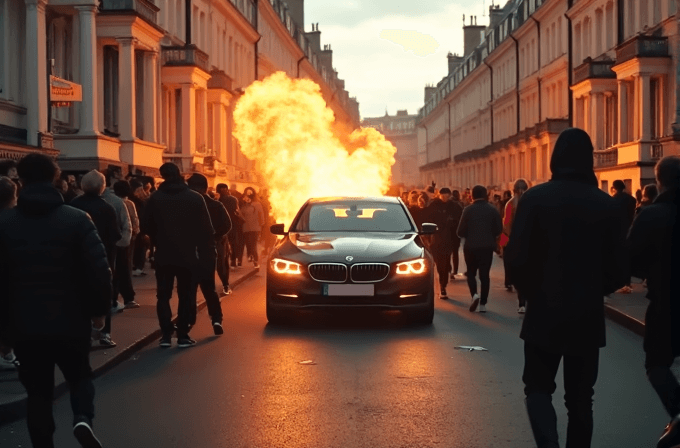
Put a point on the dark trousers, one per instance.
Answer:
(139, 254)
(36, 372)
(455, 255)
(580, 374)
(441, 252)
(508, 278)
(658, 361)
(112, 255)
(186, 293)
(236, 243)
(212, 300)
(222, 264)
(251, 243)
(478, 260)
(122, 278)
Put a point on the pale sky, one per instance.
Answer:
(388, 50)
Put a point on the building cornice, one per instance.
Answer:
(234, 17)
(268, 13)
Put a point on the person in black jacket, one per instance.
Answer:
(441, 212)
(626, 205)
(178, 223)
(654, 244)
(57, 284)
(481, 227)
(227, 245)
(457, 209)
(564, 257)
(222, 225)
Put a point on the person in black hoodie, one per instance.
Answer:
(178, 223)
(226, 247)
(222, 225)
(654, 244)
(442, 213)
(57, 284)
(564, 258)
(626, 206)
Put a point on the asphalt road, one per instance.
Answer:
(375, 381)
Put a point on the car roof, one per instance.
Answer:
(386, 199)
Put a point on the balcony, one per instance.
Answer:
(606, 158)
(220, 80)
(145, 9)
(593, 69)
(188, 55)
(642, 47)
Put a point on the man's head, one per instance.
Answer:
(650, 192)
(8, 193)
(445, 194)
(198, 183)
(122, 189)
(93, 183)
(170, 171)
(572, 157)
(37, 168)
(8, 168)
(668, 173)
(136, 187)
(113, 175)
(455, 194)
(507, 194)
(479, 192)
(618, 186)
(233, 187)
(520, 186)
(220, 189)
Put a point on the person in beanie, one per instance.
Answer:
(561, 230)
(178, 223)
(441, 212)
(627, 205)
(222, 225)
(480, 226)
(654, 244)
(57, 285)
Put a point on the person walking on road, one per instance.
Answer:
(627, 205)
(441, 212)
(649, 194)
(253, 220)
(222, 225)
(457, 209)
(125, 226)
(124, 286)
(654, 243)
(564, 257)
(57, 284)
(178, 223)
(225, 247)
(480, 226)
(236, 240)
(8, 199)
(518, 190)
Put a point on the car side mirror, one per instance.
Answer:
(427, 229)
(277, 229)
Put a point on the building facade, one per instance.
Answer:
(136, 83)
(540, 66)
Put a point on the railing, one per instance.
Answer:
(144, 8)
(606, 158)
(219, 80)
(643, 47)
(187, 55)
(656, 151)
(593, 69)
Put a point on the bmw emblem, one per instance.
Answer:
(349, 258)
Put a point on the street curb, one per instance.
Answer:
(16, 410)
(625, 320)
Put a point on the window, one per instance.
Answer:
(111, 90)
(611, 121)
(605, 186)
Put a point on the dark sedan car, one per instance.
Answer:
(351, 253)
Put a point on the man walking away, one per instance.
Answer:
(481, 227)
(125, 226)
(440, 212)
(626, 205)
(179, 225)
(253, 220)
(562, 229)
(654, 242)
(457, 209)
(236, 240)
(519, 188)
(57, 284)
(124, 258)
(225, 247)
(222, 224)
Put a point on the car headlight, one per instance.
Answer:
(285, 267)
(411, 267)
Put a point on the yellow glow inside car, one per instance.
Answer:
(411, 267)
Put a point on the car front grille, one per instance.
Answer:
(328, 272)
(369, 272)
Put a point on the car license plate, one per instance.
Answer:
(348, 290)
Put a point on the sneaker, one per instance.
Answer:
(443, 294)
(226, 291)
(83, 433)
(185, 342)
(132, 304)
(671, 435)
(9, 361)
(117, 308)
(475, 303)
(250, 258)
(256, 265)
(453, 277)
(166, 341)
(105, 341)
(521, 310)
(217, 328)
(482, 308)
(625, 290)
(136, 272)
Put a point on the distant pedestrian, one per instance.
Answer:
(8, 199)
(442, 213)
(56, 286)
(225, 246)
(638, 196)
(123, 269)
(253, 217)
(8, 168)
(141, 244)
(626, 206)
(455, 239)
(178, 223)
(480, 226)
(222, 225)
(564, 257)
(236, 240)
(519, 188)
(654, 242)
(268, 239)
(649, 194)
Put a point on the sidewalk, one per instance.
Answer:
(131, 330)
(629, 310)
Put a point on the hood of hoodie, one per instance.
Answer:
(39, 199)
(173, 186)
(572, 158)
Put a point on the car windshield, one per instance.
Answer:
(353, 216)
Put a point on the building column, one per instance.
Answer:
(89, 111)
(203, 113)
(150, 97)
(623, 111)
(644, 108)
(597, 123)
(127, 88)
(36, 71)
(587, 114)
(188, 119)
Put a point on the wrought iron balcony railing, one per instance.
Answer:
(188, 55)
(642, 47)
(146, 9)
(606, 158)
(594, 69)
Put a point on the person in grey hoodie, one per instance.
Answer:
(124, 224)
(254, 220)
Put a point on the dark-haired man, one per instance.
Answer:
(178, 223)
(227, 245)
(441, 212)
(57, 284)
(626, 205)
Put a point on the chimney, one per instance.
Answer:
(296, 10)
(402, 113)
(495, 15)
(455, 61)
(326, 56)
(314, 37)
(429, 91)
(472, 35)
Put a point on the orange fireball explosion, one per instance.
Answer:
(285, 126)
